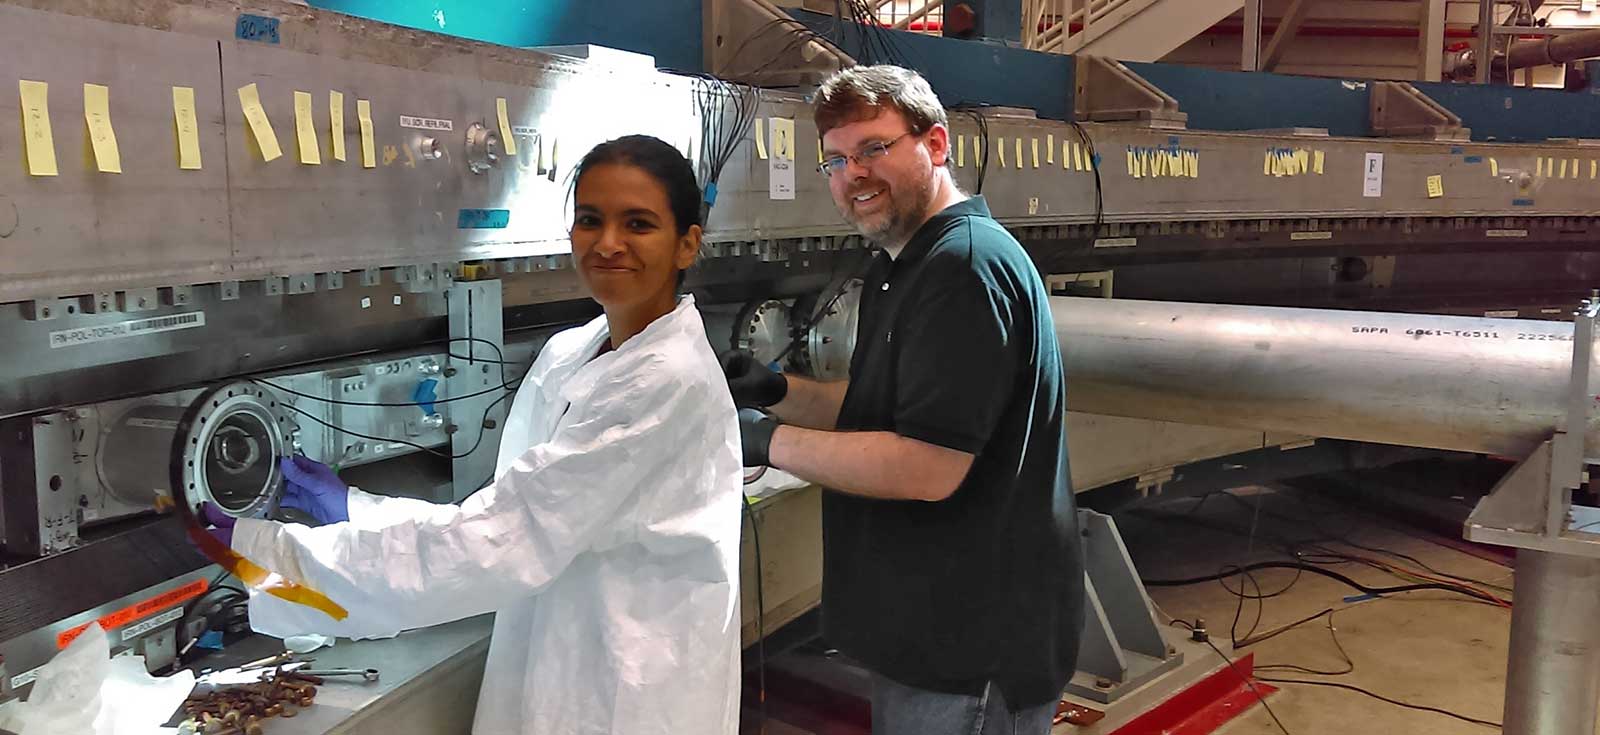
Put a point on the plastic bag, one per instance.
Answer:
(83, 690)
(66, 695)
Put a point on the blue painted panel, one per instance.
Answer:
(1515, 114)
(1224, 100)
(967, 72)
(669, 30)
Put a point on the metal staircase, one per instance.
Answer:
(1127, 30)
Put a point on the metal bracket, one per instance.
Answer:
(272, 285)
(39, 310)
(1121, 647)
(303, 283)
(138, 299)
(371, 277)
(1399, 110)
(333, 280)
(1531, 506)
(417, 278)
(228, 291)
(740, 36)
(1108, 91)
(177, 295)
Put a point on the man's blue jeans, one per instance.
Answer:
(898, 709)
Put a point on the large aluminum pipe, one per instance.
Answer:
(1461, 383)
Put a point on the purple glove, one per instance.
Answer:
(312, 487)
(219, 524)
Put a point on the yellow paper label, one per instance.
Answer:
(1034, 144)
(369, 154)
(102, 137)
(39, 143)
(336, 123)
(305, 128)
(187, 126)
(260, 126)
(761, 144)
(1494, 167)
(783, 138)
(507, 140)
(1316, 163)
(1000, 148)
(1019, 152)
(961, 151)
(1435, 186)
(1049, 149)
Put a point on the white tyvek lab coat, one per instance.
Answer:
(607, 545)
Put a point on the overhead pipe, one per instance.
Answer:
(1554, 50)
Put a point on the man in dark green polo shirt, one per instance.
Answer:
(951, 552)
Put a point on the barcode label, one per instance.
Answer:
(131, 328)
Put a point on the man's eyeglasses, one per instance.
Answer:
(868, 153)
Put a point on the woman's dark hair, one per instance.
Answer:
(664, 164)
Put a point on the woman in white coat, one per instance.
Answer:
(608, 541)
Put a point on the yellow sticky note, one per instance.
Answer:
(961, 151)
(819, 151)
(1019, 153)
(977, 151)
(1494, 167)
(40, 144)
(260, 126)
(1034, 144)
(1049, 149)
(369, 154)
(1538, 167)
(188, 127)
(336, 123)
(1077, 157)
(1144, 164)
(1000, 147)
(1435, 186)
(1066, 154)
(1302, 161)
(1316, 162)
(305, 128)
(1563, 168)
(508, 141)
(1133, 166)
(783, 138)
(1593, 169)
(102, 138)
(761, 142)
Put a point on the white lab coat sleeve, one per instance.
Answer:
(437, 563)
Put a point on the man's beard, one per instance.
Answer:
(904, 217)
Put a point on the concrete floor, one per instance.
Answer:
(1427, 648)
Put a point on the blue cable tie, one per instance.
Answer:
(711, 193)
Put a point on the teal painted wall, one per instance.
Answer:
(666, 29)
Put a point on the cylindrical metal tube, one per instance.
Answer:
(1553, 674)
(1461, 383)
(1554, 50)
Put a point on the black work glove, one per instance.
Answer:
(752, 383)
(755, 433)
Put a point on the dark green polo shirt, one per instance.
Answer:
(955, 347)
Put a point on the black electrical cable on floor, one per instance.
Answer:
(761, 614)
(1234, 571)
(1381, 698)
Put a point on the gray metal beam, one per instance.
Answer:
(1250, 53)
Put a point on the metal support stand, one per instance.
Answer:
(1108, 91)
(1553, 675)
(1121, 647)
(1553, 666)
(477, 350)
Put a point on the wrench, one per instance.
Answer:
(368, 674)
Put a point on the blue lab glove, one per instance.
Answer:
(312, 487)
(755, 433)
(218, 524)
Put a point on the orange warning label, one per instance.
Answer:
(136, 611)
